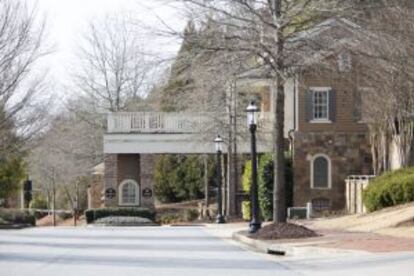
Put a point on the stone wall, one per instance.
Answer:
(349, 154)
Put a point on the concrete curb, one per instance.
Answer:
(292, 249)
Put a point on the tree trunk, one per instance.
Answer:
(278, 91)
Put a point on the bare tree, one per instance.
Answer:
(113, 67)
(389, 88)
(22, 35)
(278, 35)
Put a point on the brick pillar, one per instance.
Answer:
(111, 178)
(147, 164)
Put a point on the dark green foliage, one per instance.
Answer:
(12, 172)
(390, 189)
(246, 185)
(38, 202)
(11, 216)
(266, 186)
(180, 178)
(93, 214)
(265, 182)
(164, 180)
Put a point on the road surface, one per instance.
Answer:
(166, 251)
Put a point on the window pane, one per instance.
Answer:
(320, 104)
(320, 173)
(129, 193)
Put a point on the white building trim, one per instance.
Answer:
(137, 193)
(312, 161)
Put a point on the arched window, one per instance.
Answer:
(129, 193)
(320, 172)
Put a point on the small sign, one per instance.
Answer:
(147, 192)
(110, 193)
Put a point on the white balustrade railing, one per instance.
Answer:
(155, 122)
(164, 122)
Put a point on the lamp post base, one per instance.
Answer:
(220, 219)
(254, 227)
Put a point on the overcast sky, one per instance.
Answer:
(67, 19)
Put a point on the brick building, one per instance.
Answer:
(323, 122)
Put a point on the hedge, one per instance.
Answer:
(13, 216)
(390, 189)
(93, 214)
(265, 185)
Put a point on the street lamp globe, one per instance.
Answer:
(218, 142)
(252, 114)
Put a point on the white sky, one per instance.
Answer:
(66, 20)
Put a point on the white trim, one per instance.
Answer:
(320, 121)
(137, 193)
(297, 90)
(320, 88)
(312, 160)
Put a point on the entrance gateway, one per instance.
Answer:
(133, 140)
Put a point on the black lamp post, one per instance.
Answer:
(219, 148)
(252, 114)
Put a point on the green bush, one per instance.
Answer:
(13, 216)
(93, 214)
(266, 186)
(38, 202)
(181, 177)
(190, 214)
(247, 177)
(390, 189)
(246, 210)
(246, 185)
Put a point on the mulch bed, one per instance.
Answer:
(276, 231)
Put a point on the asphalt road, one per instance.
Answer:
(168, 251)
(127, 251)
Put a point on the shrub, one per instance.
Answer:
(168, 218)
(38, 202)
(93, 214)
(13, 216)
(190, 214)
(181, 177)
(246, 185)
(390, 189)
(246, 210)
(266, 186)
(247, 177)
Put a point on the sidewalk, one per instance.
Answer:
(330, 242)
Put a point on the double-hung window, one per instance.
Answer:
(320, 104)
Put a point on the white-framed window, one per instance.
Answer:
(320, 104)
(129, 193)
(321, 176)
